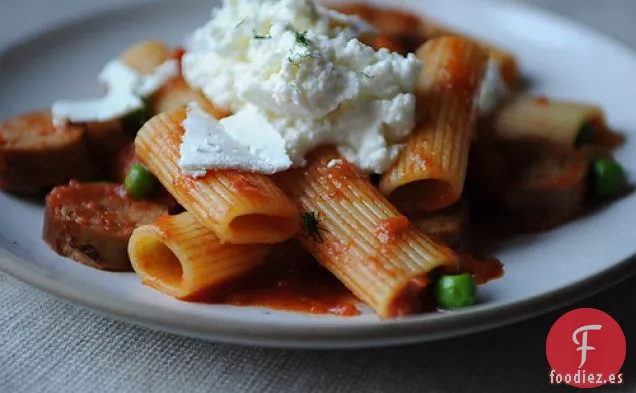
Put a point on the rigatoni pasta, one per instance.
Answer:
(239, 207)
(361, 238)
(145, 56)
(566, 122)
(429, 174)
(377, 140)
(182, 258)
(506, 61)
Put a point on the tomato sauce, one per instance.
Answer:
(247, 186)
(482, 269)
(390, 229)
(299, 285)
(177, 55)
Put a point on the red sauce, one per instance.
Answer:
(334, 250)
(390, 229)
(293, 281)
(482, 269)
(388, 42)
(415, 298)
(335, 174)
(301, 285)
(246, 185)
(177, 54)
(542, 100)
(459, 78)
(341, 168)
(336, 194)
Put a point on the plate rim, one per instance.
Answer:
(300, 334)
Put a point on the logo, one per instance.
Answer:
(586, 348)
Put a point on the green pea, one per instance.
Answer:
(139, 182)
(608, 177)
(456, 291)
(586, 134)
(135, 120)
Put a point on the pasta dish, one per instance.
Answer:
(310, 158)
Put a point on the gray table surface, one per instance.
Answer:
(50, 346)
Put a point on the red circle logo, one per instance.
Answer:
(585, 348)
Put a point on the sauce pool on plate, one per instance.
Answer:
(292, 282)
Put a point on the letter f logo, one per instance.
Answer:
(583, 344)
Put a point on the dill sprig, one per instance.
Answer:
(301, 39)
(311, 226)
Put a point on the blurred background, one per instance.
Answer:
(615, 17)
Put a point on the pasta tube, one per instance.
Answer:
(145, 56)
(239, 207)
(429, 174)
(566, 122)
(181, 258)
(353, 231)
(507, 61)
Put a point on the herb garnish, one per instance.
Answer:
(311, 226)
(301, 38)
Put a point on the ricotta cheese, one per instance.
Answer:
(126, 90)
(302, 72)
(494, 89)
(243, 142)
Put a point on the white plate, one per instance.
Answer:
(562, 59)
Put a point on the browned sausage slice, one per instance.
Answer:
(92, 223)
(548, 185)
(451, 225)
(35, 155)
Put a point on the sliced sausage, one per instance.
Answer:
(35, 155)
(92, 223)
(487, 173)
(547, 184)
(400, 31)
(122, 163)
(105, 140)
(450, 225)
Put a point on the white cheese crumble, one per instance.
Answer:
(334, 163)
(302, 70)
(243, 142)
(494, 90)
(126, 90)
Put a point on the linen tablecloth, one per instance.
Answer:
(50, 346)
